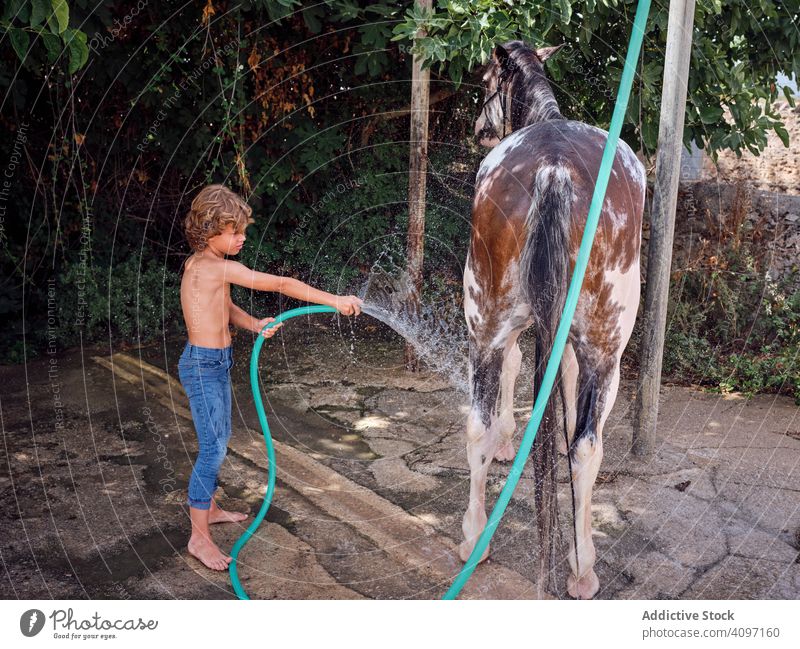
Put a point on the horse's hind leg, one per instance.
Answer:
(598, 381)
(482, 439)
(512, 361)
(569, 386)
(494, 361)
(597, 392)
(494, 365)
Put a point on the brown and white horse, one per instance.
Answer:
(531, 202)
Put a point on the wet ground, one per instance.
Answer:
(372, 482)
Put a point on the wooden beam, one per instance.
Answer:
(418, 164)
(662, 222)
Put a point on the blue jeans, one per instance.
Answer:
(205, 376)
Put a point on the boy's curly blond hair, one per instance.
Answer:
(212, 209)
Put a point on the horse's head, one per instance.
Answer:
(512, 67)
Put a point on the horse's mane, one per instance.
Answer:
(532, 97)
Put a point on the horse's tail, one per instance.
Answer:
(544, 265)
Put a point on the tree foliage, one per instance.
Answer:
(47, 23)
(738, 48)
(117, 111)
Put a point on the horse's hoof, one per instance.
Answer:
(505, 453)
(465, 549)
(584, 588)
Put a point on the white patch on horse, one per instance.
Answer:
(618, 219)
(519, 315)
(471, 310)
(484, 189)
(587, 303)
(582, 126)
(631, 163)
(499, 153)
(625, 291)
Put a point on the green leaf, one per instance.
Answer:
(360, 66)
(19, 41)
(17, 9)
(382, 10)
(53, 45)
(312, 17)
(710, 114)
(374, 66)
(782, 134)
(789, 95)
(75, 40)
(40, 9)
(650, 134)
(566, 10)
(61, 13)
(456, 72)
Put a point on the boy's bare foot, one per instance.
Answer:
(208, 553)
(218, 515)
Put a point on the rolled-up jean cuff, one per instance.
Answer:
(199, 504)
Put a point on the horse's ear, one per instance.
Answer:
(500, 55)
(545, 53)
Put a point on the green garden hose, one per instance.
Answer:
(554, 361)
(262, 418)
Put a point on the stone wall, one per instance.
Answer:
(762, 193)
(709, 211)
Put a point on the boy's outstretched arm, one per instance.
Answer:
(240, 274)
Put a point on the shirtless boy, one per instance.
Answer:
(215, 227)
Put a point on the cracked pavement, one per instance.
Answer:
(95, 508)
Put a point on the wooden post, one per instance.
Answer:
(662, 222)
(418, 163)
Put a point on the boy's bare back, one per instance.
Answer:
(205, 300)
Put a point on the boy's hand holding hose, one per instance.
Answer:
(348, 304)
(260, 324)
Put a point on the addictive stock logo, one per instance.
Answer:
(31, 622)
